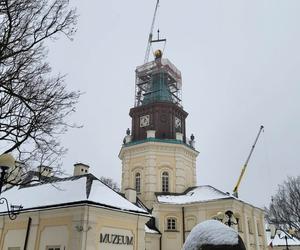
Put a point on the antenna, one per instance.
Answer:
(150, 41)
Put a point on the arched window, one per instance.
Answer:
(165, 181)
(138, 182)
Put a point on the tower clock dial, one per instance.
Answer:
(177, 123)
(144, 121)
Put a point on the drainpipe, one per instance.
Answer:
(87, 225)
(27, 233)
(183, 226)
(160, 241)
(137, 232)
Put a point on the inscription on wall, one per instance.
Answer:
(115, 239)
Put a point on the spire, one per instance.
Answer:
(150, 37)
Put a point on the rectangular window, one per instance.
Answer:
(171, 224)
(14, 248)
(165, 182)
(53, 248)
(138, 182)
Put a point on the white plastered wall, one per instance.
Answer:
(54, 235)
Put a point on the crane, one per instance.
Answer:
(235, 190)
(150, 41)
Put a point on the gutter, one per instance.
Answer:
(183, 226)
(160, 242)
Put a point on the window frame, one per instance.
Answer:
(137, 182)
(165, 181)
(171, 224)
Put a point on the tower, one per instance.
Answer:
(156, 156)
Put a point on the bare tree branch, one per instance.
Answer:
(33, 104)
(284, 209)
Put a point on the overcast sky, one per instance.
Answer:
(240, 66)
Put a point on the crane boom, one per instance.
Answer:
(235, 190)
(151, 33)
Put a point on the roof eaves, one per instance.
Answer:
(83, 202)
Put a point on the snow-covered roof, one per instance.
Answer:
(210, 232)
(194, 195)
(65, 191)
(276, 241)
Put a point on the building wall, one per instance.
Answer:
(151, 159)
(254, 237)
(152, 241)
(75, 228)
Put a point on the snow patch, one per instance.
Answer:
(151, 231)
(210, 232)
(276, 241)
(198, 194)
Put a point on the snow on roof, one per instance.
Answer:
(276, 241)
(151, 231)
(210, 232)
(197, 194)
(84, 188)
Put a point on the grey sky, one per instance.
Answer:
(239, 61)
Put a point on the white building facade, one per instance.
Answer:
(160, 201)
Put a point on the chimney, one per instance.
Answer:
(80, 169)
(130, 194)
(45, 171)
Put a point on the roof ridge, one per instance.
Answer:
(55, 179)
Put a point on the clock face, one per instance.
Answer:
(144, 121)
(177, 123)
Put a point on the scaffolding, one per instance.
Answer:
(158, 81)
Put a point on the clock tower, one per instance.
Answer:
(156, 154)
(158, 101)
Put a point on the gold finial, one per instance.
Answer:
(158, 54)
